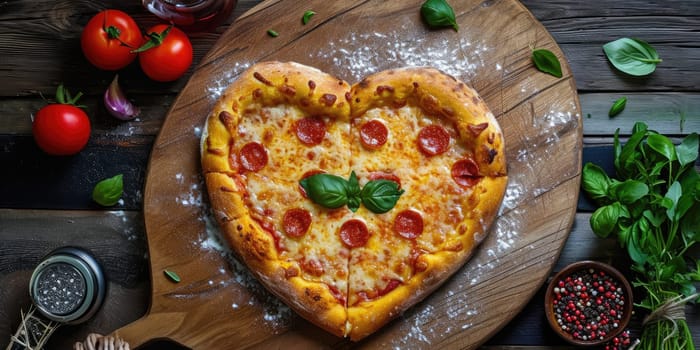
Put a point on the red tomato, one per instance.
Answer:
(171, 55)
(61, 128)
(108, 39)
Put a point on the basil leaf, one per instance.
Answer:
(329, 191)
(690, 182)
(688, 288)
(673, 194)
(687, 150)
(172, 275)
(438, 13)
(617, 149)
(547, 62)
(307, 16)
(595, 181)
(639, 127)
(604, 219)
(380, 196)
(685, 202)
(625, 160)
(617, 107)
(662, 145)
(353, 185)
(690, 224)
(646, 241)
(632, 56)
(108, 191)
(655, 218)
(629, 191)
(353, 194)
(354, 203)
(633, 247)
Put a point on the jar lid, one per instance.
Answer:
(68, 286)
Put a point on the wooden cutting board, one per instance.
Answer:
(216, 306)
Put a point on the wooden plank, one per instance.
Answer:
(657, 29)
(117, 238)
(593, 72)
(26, 70)
(581, 34)
(18, 113)
(38, 180)
(564, 9)
(62, 183)
(43, 49)
(671, 114)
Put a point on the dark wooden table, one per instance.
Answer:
(45, 201)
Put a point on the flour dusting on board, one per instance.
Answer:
(354, 58)
(219, 85)
(276, 315)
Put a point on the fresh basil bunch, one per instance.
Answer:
(332, 191)
(652, 207)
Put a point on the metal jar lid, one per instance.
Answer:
(68, 286)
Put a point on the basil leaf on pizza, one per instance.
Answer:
(330, 191)
(354, 191)
(380, 196)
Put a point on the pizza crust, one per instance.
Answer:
(439, 95)
(315, 93)
(269, 84)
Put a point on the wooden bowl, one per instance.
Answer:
(586, 270)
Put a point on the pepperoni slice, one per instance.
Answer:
(296, 222)
(253, 156)
(391, 285)
(433, 140)
(465, 172)
(408, 224)
(373, 134)
(337, 294)
(307, 174)
(313, 267)
(354, 233)
(367, 295)
(310, 131)
(380, 175)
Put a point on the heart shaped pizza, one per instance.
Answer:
(352, 203)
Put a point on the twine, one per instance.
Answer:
(99, 342)
(672, 310)
(33, 332)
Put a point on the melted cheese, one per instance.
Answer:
(275, 189)
(429, 189)
(274, 128)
